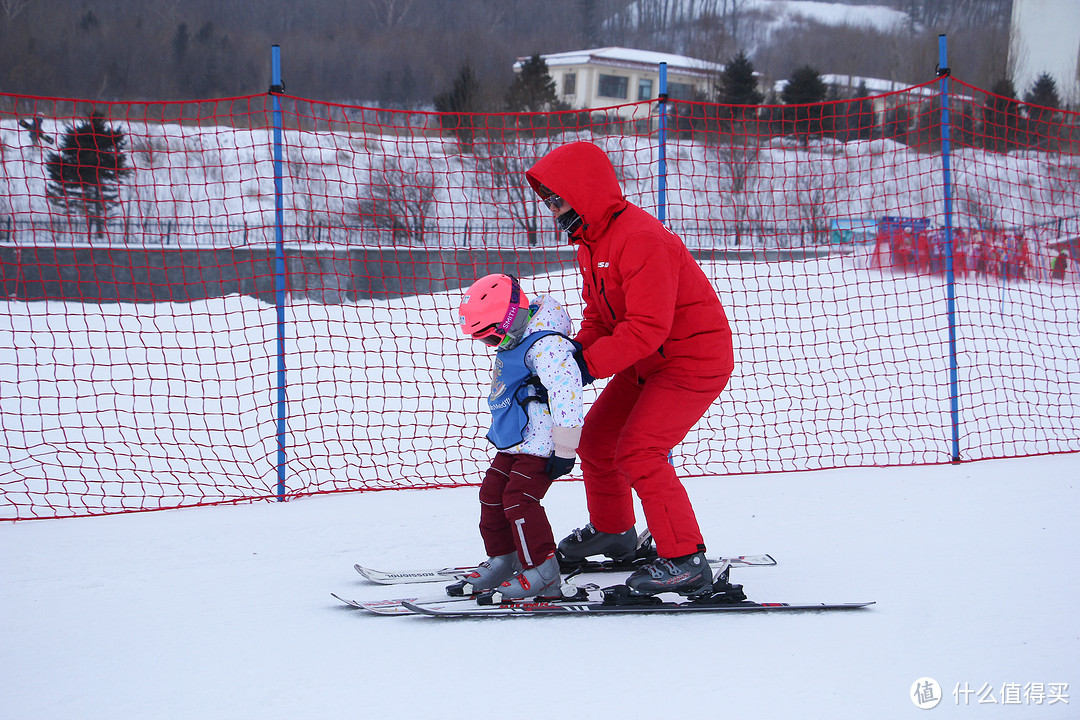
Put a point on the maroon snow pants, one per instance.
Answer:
(629, 433)
(511, 517)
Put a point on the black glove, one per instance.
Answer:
(586, 376)
(559, 466)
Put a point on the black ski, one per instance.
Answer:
(443, 610)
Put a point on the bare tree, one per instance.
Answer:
(402, 199)
(500, 174)
(168, 10)
(816, 200)
(389, 14)
(12, 8)
(941, 15)
(737, 159)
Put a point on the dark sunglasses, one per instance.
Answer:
(554, 202)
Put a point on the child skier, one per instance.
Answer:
(536, 407)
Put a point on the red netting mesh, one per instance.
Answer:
(139, 332)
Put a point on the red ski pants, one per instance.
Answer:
(511, 517)
(628, 435)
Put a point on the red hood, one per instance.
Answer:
(582, 175)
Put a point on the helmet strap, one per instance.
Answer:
(513, 335)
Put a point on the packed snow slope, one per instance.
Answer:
(225, 612)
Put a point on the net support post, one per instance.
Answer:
(950, 277)
(662, 109)
(661, 177)
(279, 266)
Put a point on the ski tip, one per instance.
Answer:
(350, 603)
(740, 561)
(835, 606)
(421, 610)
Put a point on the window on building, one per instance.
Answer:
(680, 91)
(644, 89)
(613, 86)
(569, 84)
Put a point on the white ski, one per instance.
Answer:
(395, 606)
(456, 573)
(415, 576)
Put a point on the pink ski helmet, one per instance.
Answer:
(493, 309)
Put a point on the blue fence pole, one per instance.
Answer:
(279, 265)
(950, 278)
(661, 200)
(661, 194)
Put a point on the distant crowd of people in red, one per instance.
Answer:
(913, 248)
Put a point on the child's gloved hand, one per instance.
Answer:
(559, 466)
(564, 458)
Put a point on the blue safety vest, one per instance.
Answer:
(509, 397)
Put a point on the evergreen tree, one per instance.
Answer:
(1001, 117)
(180, 43)
(898, 124)
(738, 90)
(1044, 93)
(458, 105)
(590, 23)
(533, 89)
(1042, 100)
(843, 114)
(806, 90)
(387, 95)
(463, 97)
(862, 125)
(85, 173)
(804, 87)
(962, 122)
(738, 86)
(397, 89)
(407, 88)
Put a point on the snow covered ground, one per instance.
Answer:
(225, 612)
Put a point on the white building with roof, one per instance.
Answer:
(610, 76)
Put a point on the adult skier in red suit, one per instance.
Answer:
(654, 324)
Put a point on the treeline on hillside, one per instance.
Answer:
(404, 53)
(396, 52)
(1000, 120)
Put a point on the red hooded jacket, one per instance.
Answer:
(647, 303)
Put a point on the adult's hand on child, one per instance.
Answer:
(586, 376)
